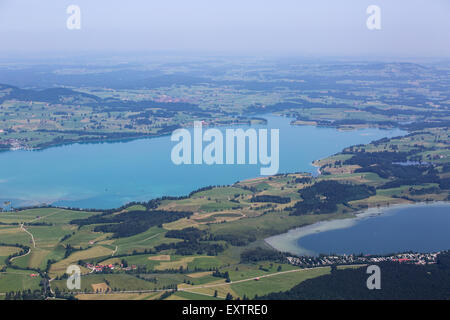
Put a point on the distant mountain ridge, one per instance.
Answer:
(69, 96)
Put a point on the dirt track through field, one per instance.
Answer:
(13, 258)
(212, 285)
(32, 237)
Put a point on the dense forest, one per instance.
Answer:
(130, 223)
(260, 254)
(324, 196)
(187, 248)
(188, 234)
(62, 95)
(389, 165)
(195, 241)
(270, 198)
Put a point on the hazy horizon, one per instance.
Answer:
(324, 28)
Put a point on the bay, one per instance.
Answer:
(414, 227)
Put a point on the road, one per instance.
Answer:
(13, 258)
(115, 250)
(211, 285)
(248, 279)
(32, 237)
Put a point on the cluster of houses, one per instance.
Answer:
(103, 267)
(165, 98)
(323, 260)
(12, 144)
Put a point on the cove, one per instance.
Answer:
(108, 175)
(414, 227)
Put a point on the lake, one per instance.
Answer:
(418, 227)
(108, 175)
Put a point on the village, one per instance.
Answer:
(310, 262)
(325, 260)
(109, 267)
(13, 144)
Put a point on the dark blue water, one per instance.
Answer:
(107, 175)
(420, 228)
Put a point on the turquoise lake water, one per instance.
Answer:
(107, 175)
(419, 227)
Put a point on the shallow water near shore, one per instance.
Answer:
(416, 227)
(108, 175)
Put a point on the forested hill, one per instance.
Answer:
(68, 96)
(130, 223)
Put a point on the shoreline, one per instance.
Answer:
(315, 227)
(27, 203)
(287, 242)
(132, 137)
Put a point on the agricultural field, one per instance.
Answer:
(58, 112)
(19, 280)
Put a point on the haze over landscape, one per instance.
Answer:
(289, 27)
(224, 150)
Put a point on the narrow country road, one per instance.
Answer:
(32, 237)
(115, 250)
(211, 285)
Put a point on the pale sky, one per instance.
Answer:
(315, 27)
